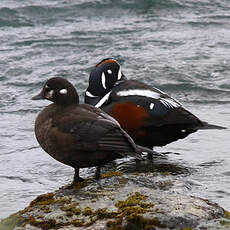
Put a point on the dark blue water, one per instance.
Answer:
(180, 46)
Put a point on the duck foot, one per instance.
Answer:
(74, 183)
(76, 180)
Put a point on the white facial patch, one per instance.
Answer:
(63, 91)
(109, 71)
(103, 80)
(49, 94)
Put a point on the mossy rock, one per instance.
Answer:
(133, 201)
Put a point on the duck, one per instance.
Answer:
(79, 135)
(150, 116)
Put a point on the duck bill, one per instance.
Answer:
(37, 97)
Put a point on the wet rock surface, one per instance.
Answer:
(143, 196)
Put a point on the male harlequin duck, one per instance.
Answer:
(79, 135)
(148, 115)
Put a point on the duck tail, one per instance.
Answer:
(206, 125)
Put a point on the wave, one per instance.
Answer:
(31, 15)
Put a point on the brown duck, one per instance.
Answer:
(79, 135)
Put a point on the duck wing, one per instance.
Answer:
(93, 131)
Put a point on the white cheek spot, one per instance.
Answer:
(109, 71)
(49, 94)
(151, 105)
(63, 91)
(183, 130)
(103, 80)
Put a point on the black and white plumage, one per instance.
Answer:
(150, 116)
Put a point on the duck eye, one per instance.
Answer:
(109, 71)
(63, 91)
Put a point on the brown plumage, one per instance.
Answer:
(79, 135)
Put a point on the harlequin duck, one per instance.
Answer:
(148, 115)
(79, 135)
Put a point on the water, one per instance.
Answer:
(180, 46)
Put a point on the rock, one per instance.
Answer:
(138, 199)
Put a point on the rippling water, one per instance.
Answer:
(180, 46)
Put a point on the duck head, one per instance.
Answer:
(104, 76)
(60, 91)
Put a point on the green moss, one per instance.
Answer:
(134, 200)
(114, 225)
(227, 214)
(135, 222)
(103, 213)
(80, 185)
(69, 214)
(87, 211)
(144, 223)
(44, 199)
(111, 174)
(44, 224)
(46, 209)
(128, 210)
(78, 223)
(71, 209)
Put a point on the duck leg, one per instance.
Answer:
(98, 173)
(76, 177)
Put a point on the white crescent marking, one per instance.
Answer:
(103, 80)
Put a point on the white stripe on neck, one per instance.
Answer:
(88, 94)
(103, 100)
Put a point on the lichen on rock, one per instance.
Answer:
(135, 200)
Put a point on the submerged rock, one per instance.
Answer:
(132, 200)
